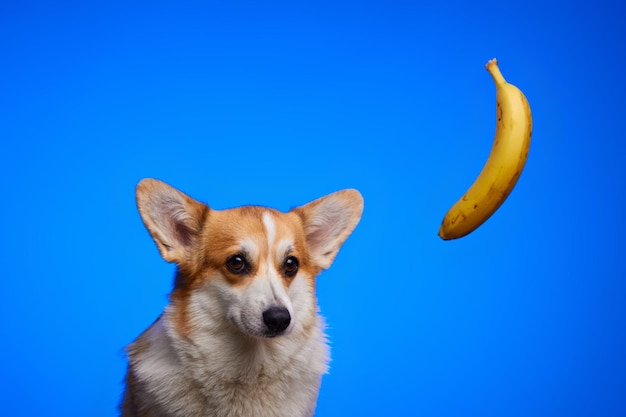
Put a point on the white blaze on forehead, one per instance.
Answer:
(276, 284)
(282, 246)
(270, 229)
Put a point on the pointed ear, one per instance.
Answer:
(328, 222)
(173, 219)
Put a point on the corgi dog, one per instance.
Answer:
(241, 335)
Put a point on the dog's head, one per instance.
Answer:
(256, 265)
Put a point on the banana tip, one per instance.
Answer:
(492, 62)
(494, 70)
(442, 233)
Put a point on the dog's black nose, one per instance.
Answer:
(276, 319)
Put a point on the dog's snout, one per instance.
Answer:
(276, 319)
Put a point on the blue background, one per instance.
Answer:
(280, 103)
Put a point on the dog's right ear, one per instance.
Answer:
(173, 219)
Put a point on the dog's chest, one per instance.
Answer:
(227, 379)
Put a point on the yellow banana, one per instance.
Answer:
(504, 165)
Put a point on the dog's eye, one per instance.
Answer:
(291, 266)
(236, 264)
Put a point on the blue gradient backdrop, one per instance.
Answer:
(280, 103)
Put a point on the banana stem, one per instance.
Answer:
(492, 67)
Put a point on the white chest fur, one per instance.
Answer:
(226, 374)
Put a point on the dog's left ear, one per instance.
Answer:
(173, 218)
(328, 221)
